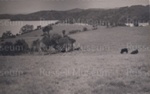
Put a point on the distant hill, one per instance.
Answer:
(118, 15)
(75, 10)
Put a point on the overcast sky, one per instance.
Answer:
(28, 6)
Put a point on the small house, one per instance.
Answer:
(129, 24)
(144, 24)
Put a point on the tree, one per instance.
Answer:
(85, 29)
(4, 35)
(47, 29)
(7, 34)
(7, 48)
(21, 46)
(26, 29)
(64, 32)
(51, 40)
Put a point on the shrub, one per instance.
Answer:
(65, 44)
(35, 45)
(47, 41)
(74, 31)
(85, 29)
(64, 32)
(2, 39)
(57, 23)
(7, 48)
(55, 37)
(47, 29)
(21, 46)
(7, 34)
(26, 29)
(59, 43)
(51, 40)
(17, 34)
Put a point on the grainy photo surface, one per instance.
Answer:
(74, 47)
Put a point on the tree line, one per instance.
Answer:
(118, 15)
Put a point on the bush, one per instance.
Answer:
(59, 43)
(26, 29)
(7, 34)
(47, 29)
(7, 48)
(51, 40)
(74, 31)
(35, 45)
(85, 29)
(46, 42)
(56, 36)
(19, 47)
(65, 44)
(17, 34)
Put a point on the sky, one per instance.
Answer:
(29, 6)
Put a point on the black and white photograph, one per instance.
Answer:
(74, 47)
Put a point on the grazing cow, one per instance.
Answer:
(135, 52)
(124, 50)
(77, 49)
(39, 27)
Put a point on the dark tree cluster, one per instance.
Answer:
(26, 29)
(17, 48)
(7, 35)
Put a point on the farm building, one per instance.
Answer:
(129, 24)
(143, 24)
(136, 24)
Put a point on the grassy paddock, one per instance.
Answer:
(88, 71)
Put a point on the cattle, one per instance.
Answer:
(135, 52)
(39, 27)
(124, 50)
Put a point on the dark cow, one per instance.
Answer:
(124, 50)
(135, 52)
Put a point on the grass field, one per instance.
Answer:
(98, 68)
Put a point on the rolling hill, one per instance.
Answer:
(136, 12)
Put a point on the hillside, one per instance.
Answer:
(120, 15)
(96, 69)
(36, 34)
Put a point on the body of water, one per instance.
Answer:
(15, 26)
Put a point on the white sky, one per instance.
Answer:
(28, 6)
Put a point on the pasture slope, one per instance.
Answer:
(98, 68)
(36, 34)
